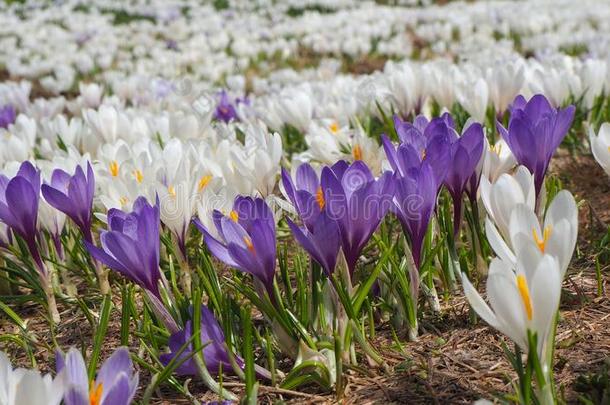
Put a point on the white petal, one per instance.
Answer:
(478, 304)
(498, 244)
(506, 302)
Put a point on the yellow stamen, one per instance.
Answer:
(525, 295)
(123, 201)
(95, 393)
(249, 244)
(545, 238)
(138, 175)
(320, 198)
(334, 128)
(608, 149)
(234, 215)
(203, 181)
(423, 154)
(357, 152)
(114, 168)
(496, 148)
(172, 191)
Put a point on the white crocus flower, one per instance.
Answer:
(501, 197)
(498, 160)
(474, 97)
(21, 386)
(555, 237)
(295, 107)
(600, 146)
(504, 82)
(523, 297)
(365, 148)
(91, 94)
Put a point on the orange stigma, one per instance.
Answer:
(541, 243)
(357, 152)
(525, 295)
(114, 168)
(138, 175)
(249, 244)
(234, 216)
(203, 182)
(334, 127)
(95, 393)
(320, 198)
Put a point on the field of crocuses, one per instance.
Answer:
(320, 201)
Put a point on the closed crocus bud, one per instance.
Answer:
(504, 81)
(474, 97)
(296, 108)
(503, 195)
(91, 94)
(600, 145)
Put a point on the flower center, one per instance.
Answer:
(123, 200)
(172, 191)
(234, 215)
(423, 154)
(357, 152)
(497, 149)
(114, 168)
(249, 244)
(138, 175)
(203, 181)
(95, 393)
(320, 198)
(334, 128)
(541, 243)
(525, 295)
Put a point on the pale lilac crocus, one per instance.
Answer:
(116, 382)
(73, 195)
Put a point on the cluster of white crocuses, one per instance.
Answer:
(534, 244)
(161, 40)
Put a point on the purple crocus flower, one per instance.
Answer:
(466, 152)
(131, 245)
(225, 110)
(247, 239)
(358, 202)
(7, 116)
(73, 195)
(535, 130)
(116, 382)
(321, 240)
(19, 198)
(422, 140)
(214, 353)
(305, 192)
(415, 201)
